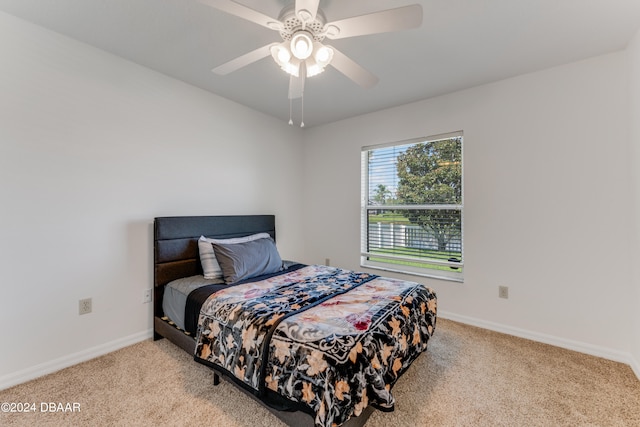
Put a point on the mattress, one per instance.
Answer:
(176, 293)
(179, 294)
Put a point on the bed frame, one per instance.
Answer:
(175, 248)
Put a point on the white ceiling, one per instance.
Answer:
(461, 44)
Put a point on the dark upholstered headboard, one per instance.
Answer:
(175, 243)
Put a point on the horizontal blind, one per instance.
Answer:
(412, 204)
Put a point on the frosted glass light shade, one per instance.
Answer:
(301, 45)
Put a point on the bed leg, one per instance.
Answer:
(216, 379)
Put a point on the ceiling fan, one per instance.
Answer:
(303, 28)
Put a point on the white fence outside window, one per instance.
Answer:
(387, 235)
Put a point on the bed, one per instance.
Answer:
(315, 345)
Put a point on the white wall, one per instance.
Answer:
(92, 148)
(547, 206)
(634, 73)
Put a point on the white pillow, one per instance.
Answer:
(210, 266)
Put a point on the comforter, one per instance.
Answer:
(332, 340)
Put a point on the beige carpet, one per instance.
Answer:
(468, 377)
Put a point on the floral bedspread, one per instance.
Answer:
(331, 339)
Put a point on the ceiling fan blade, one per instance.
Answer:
(306, 10)
(351, 69)
(244, 12)
(402, 18)
(296, 86)
(244, 60)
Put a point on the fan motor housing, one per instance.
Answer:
(292, 24)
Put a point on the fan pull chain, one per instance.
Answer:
(302, 110)
(290, 119)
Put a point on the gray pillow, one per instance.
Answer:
(210, 266)
(241, 261)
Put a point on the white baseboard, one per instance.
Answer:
(593, 350)
(91, 353)
(28, 374)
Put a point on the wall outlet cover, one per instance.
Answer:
(503, 292)
(146, 297)
(84, 306)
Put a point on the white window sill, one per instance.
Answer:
(432, 274)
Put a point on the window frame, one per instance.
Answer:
(456, 275)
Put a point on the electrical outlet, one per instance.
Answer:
(327, 261)
(503, 292)
(84, 306)
(147, 296)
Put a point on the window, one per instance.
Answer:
(412, 207)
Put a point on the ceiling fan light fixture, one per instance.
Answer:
(323, 55)
(279, 54)
(302, 45)
(282, 56)
(291, 68)
(314, 70)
